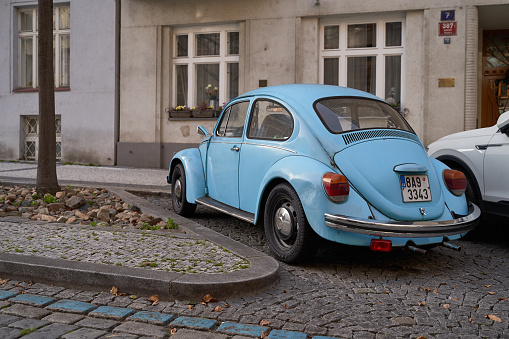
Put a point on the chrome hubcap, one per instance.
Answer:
(178, 189)
(284, 222)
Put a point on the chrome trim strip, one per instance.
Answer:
(405, 229)
(219, 206)
(265, 145)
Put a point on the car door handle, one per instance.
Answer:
(235, 148)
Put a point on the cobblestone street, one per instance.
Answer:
(353, 292)
(344, 292)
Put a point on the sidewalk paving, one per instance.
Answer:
(185, 265)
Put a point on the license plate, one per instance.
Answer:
(415, 188)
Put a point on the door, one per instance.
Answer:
(495, 76)
(224, 154)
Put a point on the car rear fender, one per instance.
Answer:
(304, 174)
(455, 204)
(193, 166)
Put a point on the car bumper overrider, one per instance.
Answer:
(405, 229)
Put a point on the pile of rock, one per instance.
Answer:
(85, 206)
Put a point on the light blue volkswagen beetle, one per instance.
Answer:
(318, 160)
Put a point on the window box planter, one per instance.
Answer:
(180, 114)
(205, 113)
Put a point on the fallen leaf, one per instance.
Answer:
(204, 303)
(455, 299)
(173, 330)
(446, 306)
(426, 289)
(492, 293)
(469, 320)
(285, 291)
(190, 307)
(263, 335)
(209, 299)
(218, 309)
(421, 337)
(488, 286)
(422, 304)
(226, 305)
(154, 299)
(384, 292)
(3, 281)
(502, 299)
(114, 290)
(494, 318)
(264, 323)
(286, 307)
(435, 290)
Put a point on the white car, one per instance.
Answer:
(483, 156)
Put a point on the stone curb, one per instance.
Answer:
(262, 274)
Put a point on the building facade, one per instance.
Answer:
(135, 78)
(86, 91)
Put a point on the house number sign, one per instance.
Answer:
(447, 28)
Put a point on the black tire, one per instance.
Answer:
(178, 192)
(288, 233)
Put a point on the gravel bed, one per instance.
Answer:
(117, 247)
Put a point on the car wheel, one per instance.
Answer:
(178, 192)
(288, 233)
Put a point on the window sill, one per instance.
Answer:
(28, 90)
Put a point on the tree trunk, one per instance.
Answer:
(46, 166)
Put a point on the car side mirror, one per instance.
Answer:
(202, 130)
(503, 123)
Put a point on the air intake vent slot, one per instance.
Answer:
(377, 133)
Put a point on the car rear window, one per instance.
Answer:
(349, 114)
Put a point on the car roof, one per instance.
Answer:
(307, 94)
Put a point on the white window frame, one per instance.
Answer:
(191, 60)
(34, 34)
(380, 51)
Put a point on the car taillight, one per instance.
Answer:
(381, 245)
(336, 186)
(455, 181)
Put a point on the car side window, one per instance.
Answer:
(232, 121)
(270, 121)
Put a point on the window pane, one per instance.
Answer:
(362, 35)
(26, 18)
(181, 85)
(233, 120)
(207, 82)
(237, 119)
(26, 67)
(65, 52)
(182, 46)
(331, 37)
(233, 43)
(65, 18)
(233, 81)
(270, 120)
(361, 73)
(331, 71)
(393, 80)
(348, 114)
(393, 34)
(207, 44)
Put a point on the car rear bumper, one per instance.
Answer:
(405, 229)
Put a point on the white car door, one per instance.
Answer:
(496, 169)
